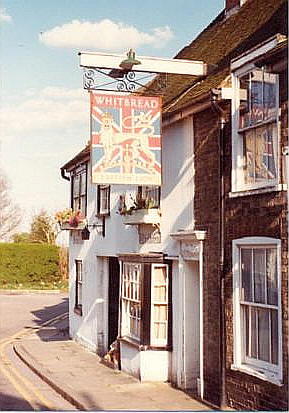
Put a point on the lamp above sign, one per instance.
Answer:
(131, 73)
(146, 64)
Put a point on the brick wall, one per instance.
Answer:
(206, 204)
(256, 215)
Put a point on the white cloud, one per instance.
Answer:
(4, 16)
(103, 35)
(50, 109)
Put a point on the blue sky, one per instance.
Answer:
(43, 109)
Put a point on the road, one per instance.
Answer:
(20, 388)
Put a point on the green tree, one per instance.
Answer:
(10, 215)
(43, 228)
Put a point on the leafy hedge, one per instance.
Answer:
(30, 266)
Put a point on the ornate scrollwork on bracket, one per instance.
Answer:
(122, 81)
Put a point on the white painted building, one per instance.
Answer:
(165, 264)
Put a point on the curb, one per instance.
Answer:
(19, 349)
(20, 292)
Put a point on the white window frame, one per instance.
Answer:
(155, 341)
(258, 368)
(79, 198)
(127, 300)
(239, 67)
(103, 202)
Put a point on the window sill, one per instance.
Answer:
(262, 375)
(130, 341)
(258, 191)
(142, 347)
(78, 310)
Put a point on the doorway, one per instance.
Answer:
(191, 325)
(113, 299)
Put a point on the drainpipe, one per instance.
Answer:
(222, 124)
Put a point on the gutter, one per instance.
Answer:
(63, 175)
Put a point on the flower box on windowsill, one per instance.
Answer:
(67, 226)
(142, 216)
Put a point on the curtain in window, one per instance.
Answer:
(160, 301)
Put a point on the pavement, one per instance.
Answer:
(81, 378)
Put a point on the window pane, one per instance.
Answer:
(160, 312)
(76, 183)
(79, 300)
(263, 335)
(246, 269)
(249, 156)
(271, 269)
(246, 324)
(259, 155)
(274, 336)
(83, 183)
(159, 305)
(254, 314)
(270, 95)
(264, 154)
(259, 276)
(270, 152)
(131, 310)
(104, 200)
(160, 331)
(160, 275)
(244, 93)
(256, 97)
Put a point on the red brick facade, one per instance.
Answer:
(207, 204)
(251, 215)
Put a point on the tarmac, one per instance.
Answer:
(81, 378)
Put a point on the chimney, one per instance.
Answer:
(231, 4)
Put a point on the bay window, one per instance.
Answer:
(145, 302)
(257, 306)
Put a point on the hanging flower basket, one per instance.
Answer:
(70, 220)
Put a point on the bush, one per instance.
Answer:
(30, 266)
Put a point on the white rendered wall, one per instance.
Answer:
(130, 359)
(149, 365)
(154, 365)
(178, 182)
(91, 329)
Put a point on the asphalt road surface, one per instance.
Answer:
(17, 312)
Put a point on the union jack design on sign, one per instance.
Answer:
(125, 139)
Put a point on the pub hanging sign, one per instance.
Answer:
(125, 139)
